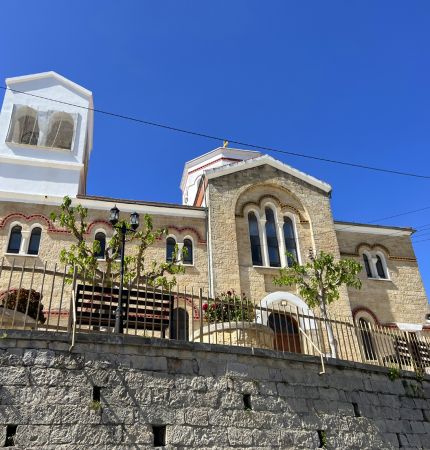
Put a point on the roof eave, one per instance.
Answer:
(266, 159)
(50, 74)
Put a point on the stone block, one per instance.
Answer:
(136, 435)
(63, 434)
(192, 383)
(263, 438)
(117, 415)
(91, 435)
(14, 376)
(180, 435)
(28, 436)
(215, 437)
(239, 437)
(197, 416)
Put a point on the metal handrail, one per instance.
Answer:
(73, 310)
(315, 347)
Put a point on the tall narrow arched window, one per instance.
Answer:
(272, 239)
(170, 249)
(380, 267)
(290, 240)
(367, 340)
(28, 128)
(254, 237)
(101, 238)
(24, 127)
(60, 134)
(34, 244)
(188, 255)
(15, 239)
(367, 266)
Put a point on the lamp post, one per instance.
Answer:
(134, 223)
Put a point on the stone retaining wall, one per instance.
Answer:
(206, 397)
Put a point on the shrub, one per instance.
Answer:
(228, 307)
(10, 298)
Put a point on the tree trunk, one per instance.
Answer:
(331, 339)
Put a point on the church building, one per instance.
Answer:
(241, 212)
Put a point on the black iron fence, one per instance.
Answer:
(53, 298)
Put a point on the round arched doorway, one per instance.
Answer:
(286, 314)
(287, 337)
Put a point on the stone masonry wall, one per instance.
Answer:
(388, 299)
(206, 397)
(231, 266)
(195, 276)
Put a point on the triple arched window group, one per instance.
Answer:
(273, 242)
(375, 265)
(184, 250)
(18, 244)
(45, 129)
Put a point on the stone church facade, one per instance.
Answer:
(241, 212)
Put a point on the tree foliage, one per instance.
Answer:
(82, 254)
(319, 280)
(318, 283)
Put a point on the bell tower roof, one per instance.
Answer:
(218, 157)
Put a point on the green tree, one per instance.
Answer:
(319, 281)
(83, 254)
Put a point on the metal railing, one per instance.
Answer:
(57, 299)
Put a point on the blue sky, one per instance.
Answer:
(343, 80)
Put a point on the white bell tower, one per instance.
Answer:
(195, 169)
(46, 135)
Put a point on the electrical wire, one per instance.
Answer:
(233, 141)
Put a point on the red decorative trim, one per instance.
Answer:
(200, 240)
(49, 224)
(367, 310)
(98, 222)
(213, 162)
(51, 228)
(188, 301)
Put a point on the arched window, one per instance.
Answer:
(101, 238)
(380, 267)
(188, 255)
(367, 340)
(367, 266)
(15, 239)
(170, 249)
(254, 237)
(272, 239)
(24, 127)
(290, 240)
(28, 130)
(60, 133)
(33, 245)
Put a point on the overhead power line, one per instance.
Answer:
(224, 138)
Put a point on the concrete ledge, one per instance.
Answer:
(46, 339)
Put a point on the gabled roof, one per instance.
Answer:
(50, 74)
(261, 161)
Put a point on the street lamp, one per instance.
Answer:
(134, 223)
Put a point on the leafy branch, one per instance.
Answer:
(84, 255)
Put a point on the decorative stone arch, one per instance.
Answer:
(293, 300)
(187, 230)
(363, 246)
(239, 209)
(362, 312)
(103, 225)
